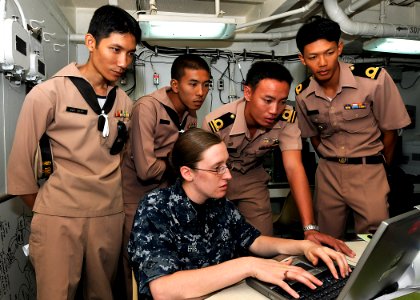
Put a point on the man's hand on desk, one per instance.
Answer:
(324, 239)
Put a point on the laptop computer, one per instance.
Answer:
(389, 253)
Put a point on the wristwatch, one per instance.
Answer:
(310, 227)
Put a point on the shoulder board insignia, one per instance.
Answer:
(364, 70)
(222, 122)
(288, 115)
(303, 85)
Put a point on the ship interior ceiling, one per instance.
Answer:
(272, 24)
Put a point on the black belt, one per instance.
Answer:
(376, 159)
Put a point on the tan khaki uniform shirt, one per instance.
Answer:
(248, 186)
(152, 136)
(86, 181)
(350, 124)
(246, 152)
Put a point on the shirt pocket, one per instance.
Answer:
(258, 153)
(322, 125)
(357, 120)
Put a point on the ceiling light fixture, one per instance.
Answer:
(185, 26)
(393, 45)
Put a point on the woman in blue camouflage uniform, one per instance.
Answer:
(188, 240)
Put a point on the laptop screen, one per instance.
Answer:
(390, 252)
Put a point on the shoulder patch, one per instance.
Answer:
(364, 70)
(303, 85)
(222, 122)
(288, 115)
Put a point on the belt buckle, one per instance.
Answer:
(342, 160)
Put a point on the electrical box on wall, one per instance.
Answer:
(14, 54)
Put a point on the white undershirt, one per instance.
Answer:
(101, 101)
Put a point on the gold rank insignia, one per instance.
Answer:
(364, 70)
(288, 115)
(222, 122)
(303, 85)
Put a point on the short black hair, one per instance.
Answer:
(188, 61)
(267, 70)
(316, 29)
(109, 19)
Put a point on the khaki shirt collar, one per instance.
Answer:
(239, 126)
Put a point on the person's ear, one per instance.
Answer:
(90, 42)
(340, 47)
(174, 85)
(247, 92)
(186, 173)
(302, 60)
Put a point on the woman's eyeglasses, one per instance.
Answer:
(220, 170)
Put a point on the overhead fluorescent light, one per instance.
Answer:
(393, 45)
(185, 26)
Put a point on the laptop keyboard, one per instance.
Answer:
(330, 288)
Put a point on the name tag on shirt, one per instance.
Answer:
(312, 112)
(76, 110)
(162, 121)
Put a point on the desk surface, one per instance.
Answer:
(238, 291)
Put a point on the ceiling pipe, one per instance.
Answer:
(304, 8)
(353, 7)
(265, 36)
(382, 13)
(336, 14)
(217, 7)
(77, 38)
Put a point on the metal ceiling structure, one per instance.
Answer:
(278, 20)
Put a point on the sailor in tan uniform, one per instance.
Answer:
(157, 120)
(76, 230)
(351, 113)
(252, 126)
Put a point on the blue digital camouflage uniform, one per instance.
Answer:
(171, 233)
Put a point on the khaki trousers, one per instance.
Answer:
(130, 210)
(341, 189)
(66, 250)
(250, 193)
